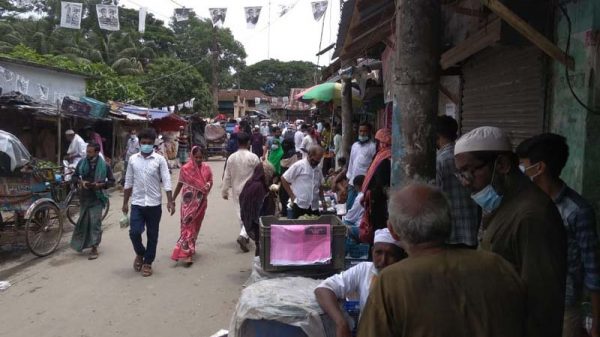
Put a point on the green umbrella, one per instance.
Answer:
(326, 92)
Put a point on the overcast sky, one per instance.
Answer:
(295, 36)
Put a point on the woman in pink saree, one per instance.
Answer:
(195, 182)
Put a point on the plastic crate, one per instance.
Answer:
(98, 109)
(338, 244)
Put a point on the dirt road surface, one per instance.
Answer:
(65, 295)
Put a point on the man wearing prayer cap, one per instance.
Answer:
(358, 279)
(77, 148)
(520, 223)
(440, 290)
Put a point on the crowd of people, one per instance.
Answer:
(497, 245)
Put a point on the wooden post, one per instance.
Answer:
(347, 134)
(59, 143)
(417, 79)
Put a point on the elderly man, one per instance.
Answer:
(302, 181)
(77, 148)
(239, 168)
(520, 223)
(440, 291)
(357, 280)
(542, 158)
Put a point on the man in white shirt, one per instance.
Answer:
(239, 168)
(308, 141)
(299, 137)
(77, 148)
(303, 183)
(133, 147)
(337, 146)
(146, 171)
(361, 156)
(358, 279)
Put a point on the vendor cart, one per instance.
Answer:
(216, 141)
(29, 197)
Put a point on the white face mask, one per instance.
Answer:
(525, 169)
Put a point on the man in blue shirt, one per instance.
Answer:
(542, 159)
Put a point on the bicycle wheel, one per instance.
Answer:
(43, 230)
(73, 211)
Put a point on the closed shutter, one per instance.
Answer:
(504, 87)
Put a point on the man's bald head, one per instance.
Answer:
(315, 154)
(419, 213)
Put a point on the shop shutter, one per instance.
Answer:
(504, 87)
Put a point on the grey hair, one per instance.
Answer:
(421, 221)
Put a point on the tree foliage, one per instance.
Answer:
(277, 78)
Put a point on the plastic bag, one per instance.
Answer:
(124, 221)
(4, 285)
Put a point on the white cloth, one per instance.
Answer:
(133, 147)
(361, 157)
(485, 138)
(354, 280)
(298, 138)
(144, 175)
(305, 182)
(240, 167)
(77, 148)
(355, 213)
(307, 142)
(384, 236)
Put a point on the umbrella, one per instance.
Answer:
(12, 146)
(326, 92)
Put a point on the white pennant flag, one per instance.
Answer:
(70, 14)
(182, 14)
(108, 17)
(252, 16)
(43, 92)
(218, 16)
(319, 8)
(142, 24)
(22, 84)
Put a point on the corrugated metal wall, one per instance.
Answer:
(504, 87)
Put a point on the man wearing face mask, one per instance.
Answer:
(542, 158)
(361, 156)
(303, 183)
(520, 223)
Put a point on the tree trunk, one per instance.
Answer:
(347, 134)
(417, 79)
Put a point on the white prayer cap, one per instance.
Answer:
(69, 132)
(485, 138)
(384, 235)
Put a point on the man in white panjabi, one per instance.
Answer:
(77, 148)
(239, 168)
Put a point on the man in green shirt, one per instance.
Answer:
(520, 223)
(439, 290)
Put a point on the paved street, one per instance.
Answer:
(66, 295)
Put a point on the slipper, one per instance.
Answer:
(146, 270)
(137, 263)
(93, 256)
(188, 263)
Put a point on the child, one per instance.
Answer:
(352, 218)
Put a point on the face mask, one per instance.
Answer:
(133, 136)
(363, 139)
(524, 169)
(146, 148)
(488, 198)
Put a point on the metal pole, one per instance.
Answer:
(347, 134)
(416, 98)
(269, 34)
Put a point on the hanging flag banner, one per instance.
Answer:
(252, 16)
(108, 17)
(218, 16)
(319, 8)
(43, 92)
(8, 75)
(182, 14)
(142, 23)
(285, 7)
(22, 84)
(70, 15)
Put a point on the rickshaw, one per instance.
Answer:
(33, 198)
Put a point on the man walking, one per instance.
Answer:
(299, 137)
(520, 223)
(146, 170)
(238, 169)
(465, 213)
(542, 159)
(92, 175)
(302, 181)
(133, 147)
(361, 156)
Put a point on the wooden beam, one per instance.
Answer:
(482, 39)
(448, 94)
(530, 33)
(468, 11)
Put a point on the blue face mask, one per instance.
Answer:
(363, 139)
(488, 198)
(146, 148)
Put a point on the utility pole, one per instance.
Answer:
(417, 79)
(269, 34)
(215, 72)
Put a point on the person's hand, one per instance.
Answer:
(125, 209)
(342, 330)
(171, 207)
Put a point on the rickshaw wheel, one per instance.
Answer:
(74, 207)
(44, 229)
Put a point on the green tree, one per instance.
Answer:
(277, 78)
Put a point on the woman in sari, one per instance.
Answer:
(195, 182)
(375, 188)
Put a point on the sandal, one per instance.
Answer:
(93, 254)
(137, 263)
(188, 262)
(146, 270)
